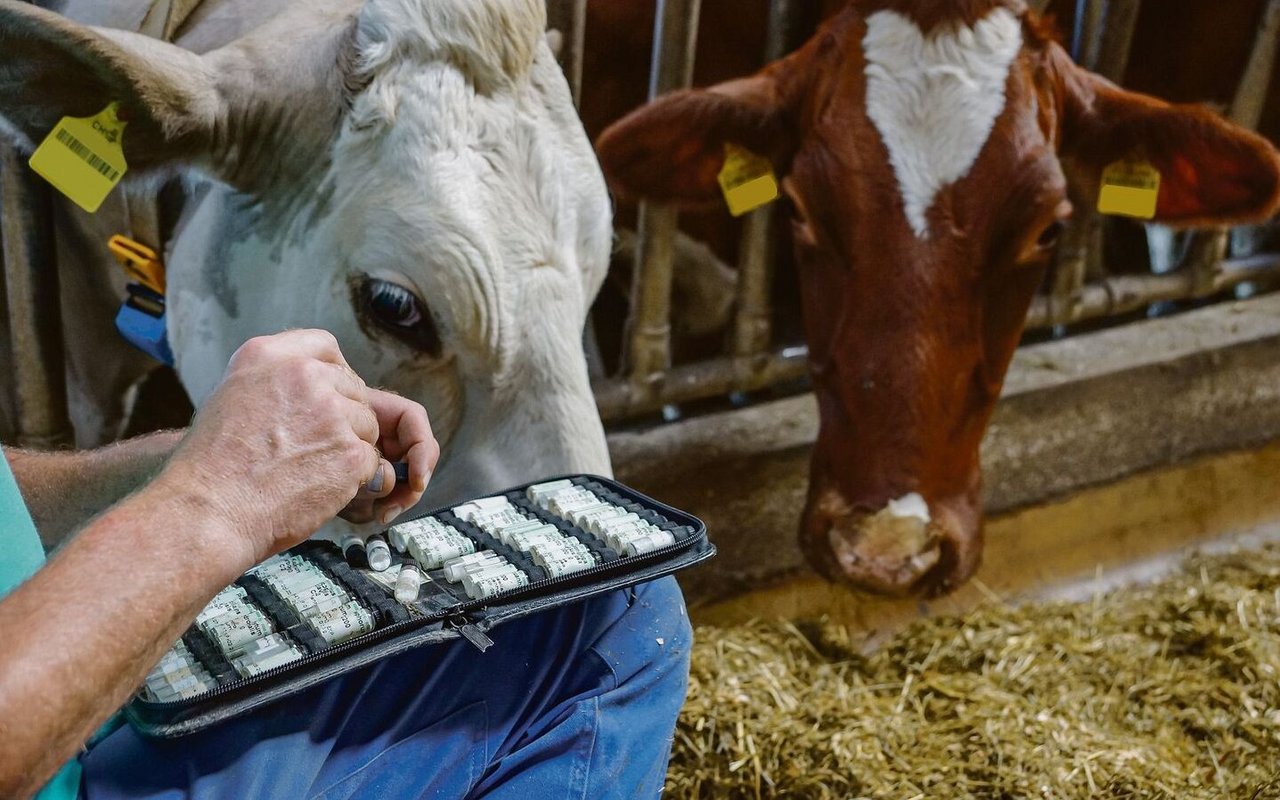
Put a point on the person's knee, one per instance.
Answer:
(650, 642)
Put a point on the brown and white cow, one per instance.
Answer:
(924, 147)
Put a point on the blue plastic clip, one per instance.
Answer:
(141, 320)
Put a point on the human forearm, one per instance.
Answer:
(81, 635)
(64, 490)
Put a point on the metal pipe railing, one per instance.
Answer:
(649, 355)
(569, 17)
(1095, 13)
(1207, 249)
(1109, 32)
(753, 322)
(34, 305)
(1106, 298)
(1117, 38)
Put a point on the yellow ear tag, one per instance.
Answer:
(747, 180)
(1130, 189)
(83, 157)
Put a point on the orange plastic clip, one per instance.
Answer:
(139, 261)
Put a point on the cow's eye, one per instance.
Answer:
(1051, 235)
(399, 312)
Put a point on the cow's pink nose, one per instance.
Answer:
(900, 550)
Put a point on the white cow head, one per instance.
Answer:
(408, 174)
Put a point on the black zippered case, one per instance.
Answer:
(213, 683)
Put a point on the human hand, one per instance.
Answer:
(284, 443)
(404, 434)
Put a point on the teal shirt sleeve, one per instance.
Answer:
(21, 554)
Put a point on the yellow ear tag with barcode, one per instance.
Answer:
(747, 180)
(1130, 189)
(83, 157)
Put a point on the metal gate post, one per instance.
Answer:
(675, 41)
(34, 306)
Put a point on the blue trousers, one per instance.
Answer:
(580, 702)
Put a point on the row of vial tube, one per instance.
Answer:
(250, 642)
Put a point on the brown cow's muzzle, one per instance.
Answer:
(907, 548)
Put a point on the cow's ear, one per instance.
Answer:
(51, 67)
(1212, 172)
(673, 150)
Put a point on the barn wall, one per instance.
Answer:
(1076, 414)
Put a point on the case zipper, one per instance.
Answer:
(471, 632)
(455, 616)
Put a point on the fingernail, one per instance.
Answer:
(420, 485)
(375, 483)
(391, 513)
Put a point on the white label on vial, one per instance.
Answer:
(592, 519)
(602, 526)
(248, 613)
(465, 510)
(176, 678)
(499, 519)
(582, 515)
(292, 564)
(564, 547)
(454, 570)
(493, 584)
(344, 623)
(491, 503)
(302, 592)
(232, 637)
(265, 646)
(174, 658)
(567, 565)
(232, 606)
(648, 544)
(520, 527)
(541, 491)
(250, 668)
(568, 501)
(529, 539)
(434, 554)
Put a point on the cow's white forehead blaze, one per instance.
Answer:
(935, 98)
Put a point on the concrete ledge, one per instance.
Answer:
(1076, 414)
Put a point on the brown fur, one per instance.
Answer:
(910, 339)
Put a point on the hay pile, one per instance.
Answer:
(1168, 691)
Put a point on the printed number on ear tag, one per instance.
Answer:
(83, 157)
(1130, 189)
(747, 180)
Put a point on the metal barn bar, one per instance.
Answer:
(569, 17)
(34, 306)
(649, 354)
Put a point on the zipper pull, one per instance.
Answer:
(472, 634)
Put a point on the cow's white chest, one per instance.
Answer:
(936, 98)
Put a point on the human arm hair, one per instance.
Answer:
(63, 490)
(283, 444)
(82, 632)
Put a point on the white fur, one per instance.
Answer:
(464, 174)
(935, 98)
(908, 506)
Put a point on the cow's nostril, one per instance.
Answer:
(885, 553)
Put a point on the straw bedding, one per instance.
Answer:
(1163, 691)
